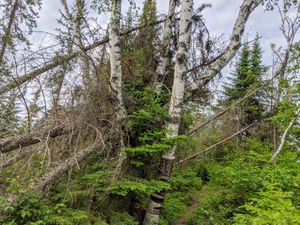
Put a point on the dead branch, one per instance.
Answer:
(60, 60)
(278, 73)
(6, 36)
(13, 143)
(284, 136)
(54, 173)
(215, 145)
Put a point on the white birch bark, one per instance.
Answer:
(167, 35)
(247, 7)
(176, 105)
(116, 77)
(115, 58)
(284, 136)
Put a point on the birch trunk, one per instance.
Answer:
(163, 58)
(116, 75)
(175, 109)
(115, 58)
(8, 29)
(283, 138)
(247, 7)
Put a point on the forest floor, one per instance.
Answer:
(197, 198)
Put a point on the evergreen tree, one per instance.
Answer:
(248, 74)
(146, 47)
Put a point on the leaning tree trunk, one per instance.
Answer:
(247, 7)
(5, 38)
(163, 58)
(284, 136)
(116, 74)
(175, 109)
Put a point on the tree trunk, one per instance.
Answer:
(284, 136)
(116, 75)
(163, 58)
(8, 30)
(246, 9)
(175, 109)
(22, 141)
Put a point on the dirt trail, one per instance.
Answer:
(198, 197)
(190, 209)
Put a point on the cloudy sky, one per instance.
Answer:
(219, 19)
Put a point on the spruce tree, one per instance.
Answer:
(247, 75)
(146, 46)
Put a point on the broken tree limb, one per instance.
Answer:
(13, 143)
(16, 158)
(215, 145)
(66, 165)
(284, 136)
(247, 7)
(52, 175)
(217, 115)
(60, 60)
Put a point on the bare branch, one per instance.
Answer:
(13, 143)
(60, 60)
(247, 7)
(215, 145)
(284, 136)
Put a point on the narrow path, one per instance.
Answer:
(198, 197)
(190, 209)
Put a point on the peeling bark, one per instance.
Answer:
(247, 7)
(175, 108)
(115, 59)
(116, 75)
(167, 35)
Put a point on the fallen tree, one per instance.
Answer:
(214, 145)
(66, 165)
(60, 60)
(13, 143)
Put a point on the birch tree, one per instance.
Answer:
(175, 108)
(115, 58)
(167, 35)
(247, 7)
(284, 136)
(116, 72)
